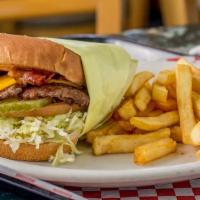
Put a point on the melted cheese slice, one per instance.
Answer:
(6, 81)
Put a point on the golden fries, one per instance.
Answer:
(150, 108)
(166, 77)
(139, 131)
(142, 98)
(110, 128)
(198, 154)
(154, 150)
(148, 86)
(138, 81)
(184, 100)
(167, 106)
(159, 93)
(127, 110)
(195, 134)
(154, 123)
(126, 126)
(194, 70)
(154, 116)
(196, 104)
(115, 129)
(125, 143)
(171, 91)
(196, 83)
(176, 133)
(155, 113)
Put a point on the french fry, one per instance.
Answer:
(195, 134)
(195, 74)
(148, 86)
(97, 132)
(125, 143)
(176, 133)
(196, 104)
(139, 131)
(138, 81)
(183, 61)
(167, 106)
(195, 70)
(154, 113)
(142, 98)
(109, 128)
(115, 129)
(150, 108)
(125, 125)
(198, 154)
(171, 91)
(127, 110)
(155, 123)
(159, 93)
(184, 100)
(166, 77)
(154, 150)
(196, 83)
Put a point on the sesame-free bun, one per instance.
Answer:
(29, 52)
(28, 152)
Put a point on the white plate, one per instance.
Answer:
(119, 170)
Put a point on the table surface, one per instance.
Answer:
(178, 39)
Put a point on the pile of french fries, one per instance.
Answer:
(157, 113)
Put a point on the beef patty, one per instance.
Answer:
(64, 93)
(10, 92)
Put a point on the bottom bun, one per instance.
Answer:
(28, 152)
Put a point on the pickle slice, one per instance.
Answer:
(23, 105)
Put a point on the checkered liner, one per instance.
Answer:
(185, 190)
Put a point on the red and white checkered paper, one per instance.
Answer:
(185, 190)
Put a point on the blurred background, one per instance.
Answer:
(60, 17)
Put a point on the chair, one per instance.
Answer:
(179, 12)
(173, 12)
(108, 12)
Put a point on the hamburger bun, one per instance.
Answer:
(28, 152)
(29, 52)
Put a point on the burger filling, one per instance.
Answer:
(37, 107)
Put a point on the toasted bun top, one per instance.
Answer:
(30, 52)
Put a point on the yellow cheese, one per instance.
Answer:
(6, 81)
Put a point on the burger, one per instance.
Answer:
(52, 91)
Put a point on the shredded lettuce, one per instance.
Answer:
(62, 157)
(62, 129)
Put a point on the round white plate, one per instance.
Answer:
(114, 170)
(119, 170)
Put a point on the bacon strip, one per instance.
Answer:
(33, 77)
